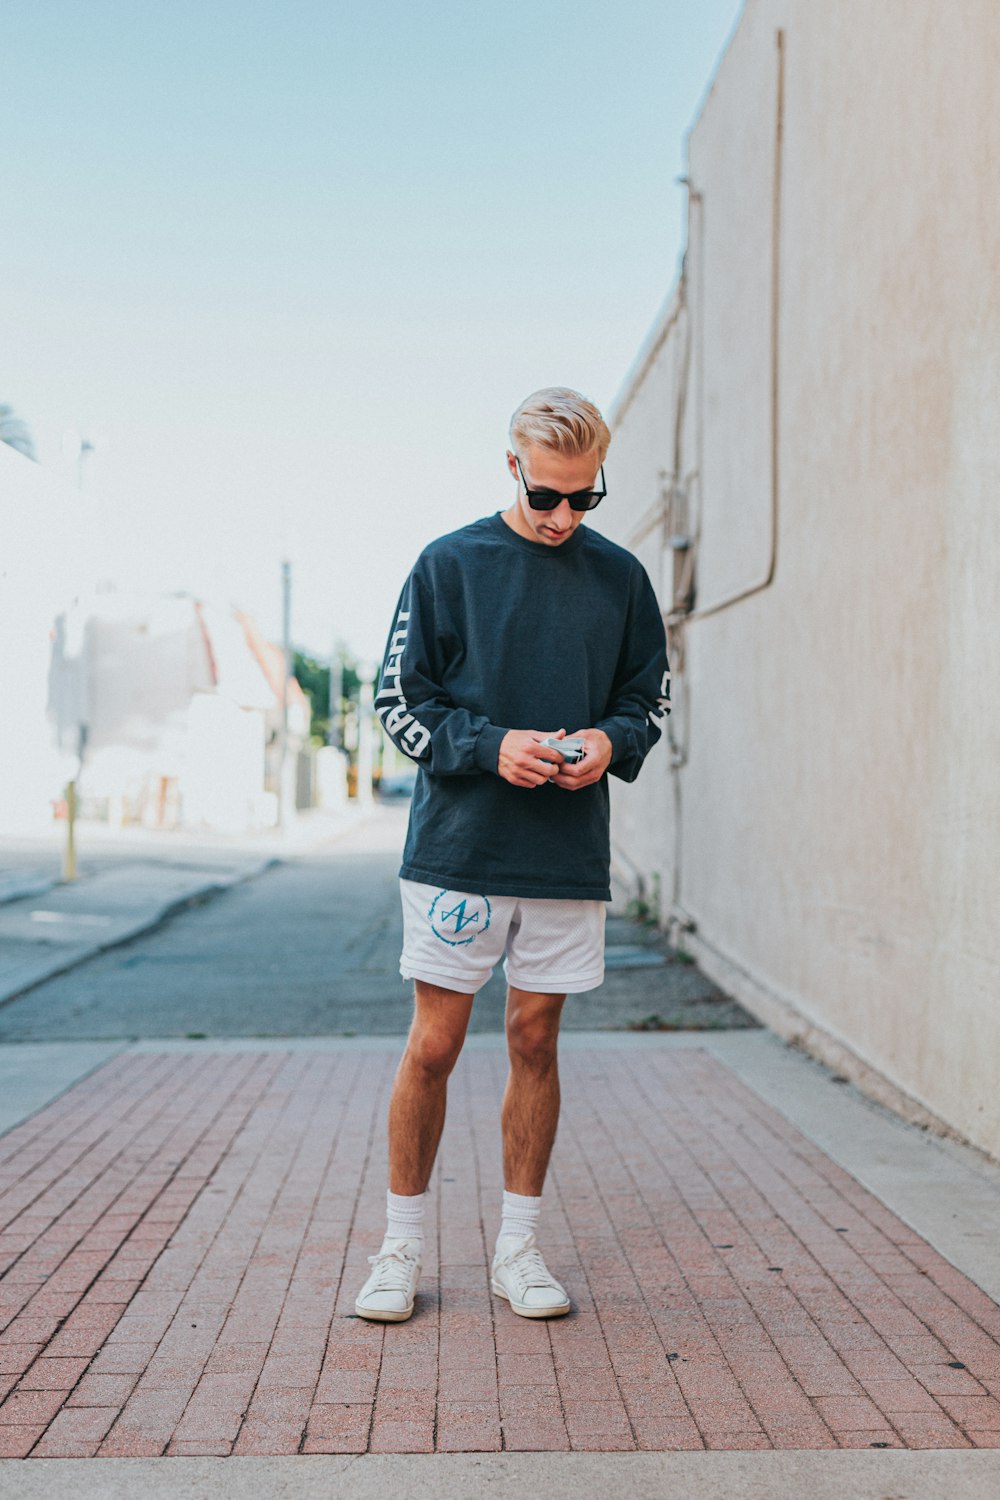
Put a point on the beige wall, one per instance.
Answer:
(831, 824)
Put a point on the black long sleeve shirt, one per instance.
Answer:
(495, 632)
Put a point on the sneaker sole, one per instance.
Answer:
(524, 1311)
(375, 1316)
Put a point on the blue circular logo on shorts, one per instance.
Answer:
(458, 919)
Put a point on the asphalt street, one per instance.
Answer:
(311, 948)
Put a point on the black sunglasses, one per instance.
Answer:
(549, 499)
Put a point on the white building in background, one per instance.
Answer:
(164, 708)
(806, 457)
(176, 702)
(46, 554)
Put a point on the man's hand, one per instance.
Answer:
(525, 761)
(593, 765)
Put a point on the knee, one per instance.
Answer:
(433, 1051)
(532, 1043)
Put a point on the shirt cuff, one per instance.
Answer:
(618, 737)
(487, 751)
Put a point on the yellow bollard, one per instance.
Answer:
(69, 864)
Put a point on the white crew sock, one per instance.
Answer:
(405, 1217)
(519, 1215)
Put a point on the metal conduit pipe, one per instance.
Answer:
(679, 920)
(768, 578)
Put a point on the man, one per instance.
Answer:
(510, 632)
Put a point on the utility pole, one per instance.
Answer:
(366, 734)
(286, 672)
(333, 733)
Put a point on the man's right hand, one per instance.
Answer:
(524, 760)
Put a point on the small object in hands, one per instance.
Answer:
(570, 749)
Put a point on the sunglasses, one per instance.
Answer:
(549, 499)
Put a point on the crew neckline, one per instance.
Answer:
(540, 549)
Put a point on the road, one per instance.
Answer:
(311, 948)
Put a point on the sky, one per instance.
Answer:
(290, 267)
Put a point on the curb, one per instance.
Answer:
(156, 917)
(12, 889)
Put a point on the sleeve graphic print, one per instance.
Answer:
(416, 711)
(412, 737)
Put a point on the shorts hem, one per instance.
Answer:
(556, 984)
(465, 984)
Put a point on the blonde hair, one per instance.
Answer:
(562, 420)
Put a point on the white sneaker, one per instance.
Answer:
(521, 1275)
(387, 1296)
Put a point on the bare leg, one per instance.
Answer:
(531, 1099)
(419, 1094)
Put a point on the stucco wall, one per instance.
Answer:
(837, 841)
(644, 826)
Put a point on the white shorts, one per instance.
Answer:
(455, 938)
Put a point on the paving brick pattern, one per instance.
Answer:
(182, 1237)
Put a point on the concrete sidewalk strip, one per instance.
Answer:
(940, 1475)
(32, 1074)
(183, 1233)
(66, 924)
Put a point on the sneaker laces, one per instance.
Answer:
(527, 1265)
(392, 1270)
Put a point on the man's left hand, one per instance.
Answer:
(591, 768)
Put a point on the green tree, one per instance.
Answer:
(313, 677)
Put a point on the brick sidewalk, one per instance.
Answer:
(184, 1235)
